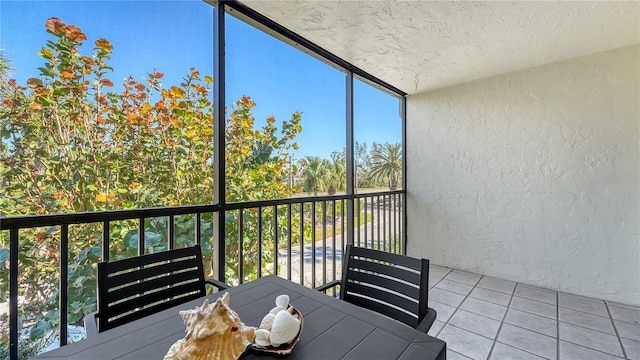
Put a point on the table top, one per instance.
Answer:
(333, 329)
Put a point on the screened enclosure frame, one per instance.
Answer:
(261, 22)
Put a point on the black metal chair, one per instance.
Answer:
(133, 288)
(391, 284)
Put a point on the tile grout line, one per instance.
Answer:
(514, 346)
(445, 323)
(558, 322)
(558, 318)
(584, 312)
(595, 349)
(588, 328)
(504, 317)
(615, 329)
(494, 340)
(458, 308)
(557, 325)
(534, 300)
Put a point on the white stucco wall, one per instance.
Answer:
(533, 176)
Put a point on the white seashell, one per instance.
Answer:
(262, 337)
(285, 328)
(212, 332)
(277, 309)
(267, 321)
(283, 300)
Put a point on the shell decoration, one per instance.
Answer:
(284, 329)
(279, 329)
(282, 300)
(267, 322)
(262, 337)
(213, 331)
(277, 309)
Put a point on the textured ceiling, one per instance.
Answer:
(423, 45)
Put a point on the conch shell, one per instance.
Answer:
(213, 332)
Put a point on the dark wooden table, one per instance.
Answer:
(333, 329)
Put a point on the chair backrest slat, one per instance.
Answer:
(154, 284)
(133, 288)
(389, 270)
(135, 273)
(391, 284)
(156, 299)
(389, 299)
(385, 310)
(124, 264)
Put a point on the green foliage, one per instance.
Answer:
(257, 161)
(363, 159)
(314, 174)
(26, 350)
(70, 143)
(382, 165)
(337, 172)
(386, 163)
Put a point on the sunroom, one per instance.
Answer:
(499, 140)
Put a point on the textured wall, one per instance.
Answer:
(533, 176)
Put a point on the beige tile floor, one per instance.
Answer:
(482, 317)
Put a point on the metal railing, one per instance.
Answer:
(300, 239)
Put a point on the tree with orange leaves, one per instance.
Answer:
(71, 143)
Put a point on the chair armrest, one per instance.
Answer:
(217, 283)
(427, 321)
(327, 286)
(90, 324)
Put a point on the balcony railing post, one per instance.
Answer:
(171, 232)
(64, 280)
(141, 235)
(342, 215)
(365, 221)
(324, 241)
(333, 240)
(384, 223)
(13, 294)
(106, 233)
(313, 244)
(302, 243)
(198, 228)
(217, 245)
(378, 221)
(259, 239)
(289, 240)
(240, 246)
(395, 223)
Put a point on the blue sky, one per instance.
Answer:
(172, 36)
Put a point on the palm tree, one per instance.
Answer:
(336, 174)
(386, 163)
(314, 173)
